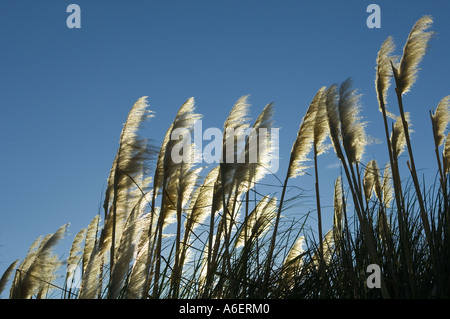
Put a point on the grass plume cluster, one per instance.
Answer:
(176, 230)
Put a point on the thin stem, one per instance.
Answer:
(366, 230)
(412, 167)
(440, 168)
(397, 191)
(272, 242)
(114, 216)
(158, 232)
(319, 214)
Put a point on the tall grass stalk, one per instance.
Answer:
(405, 76)
(311, 134)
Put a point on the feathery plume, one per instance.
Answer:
(133, 151)
(235, 127)
(293, 261)
(126, 181)
(446, 154)
(177, 179)
(441, 118)
(338, 206)
(257, 153)
(370, 179)
(387, 188)
(184, 122)
(127, 247)
(321, 128)
(138, 278)
(43, 268)
(377, 187)
(5, 277)
(305, 137)
(334, 122)
(90, 240)
(199, 209)
(189, 179)
(413, 53)
(258, 221)
(92, 276)
(32, 251)
(74, 254)
(344, 122)
(384, 72)
(138, 275)
(23, 267)
(398, 139)
(338, 210)
(237, 118)
(354, 138)
(159, 170)
(200, 206)
(296, 250)
(327, 250)
(94, 255)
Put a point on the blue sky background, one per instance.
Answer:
(65, 93)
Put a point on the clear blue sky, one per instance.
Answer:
(65, 93)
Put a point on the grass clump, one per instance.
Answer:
(171, 229)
